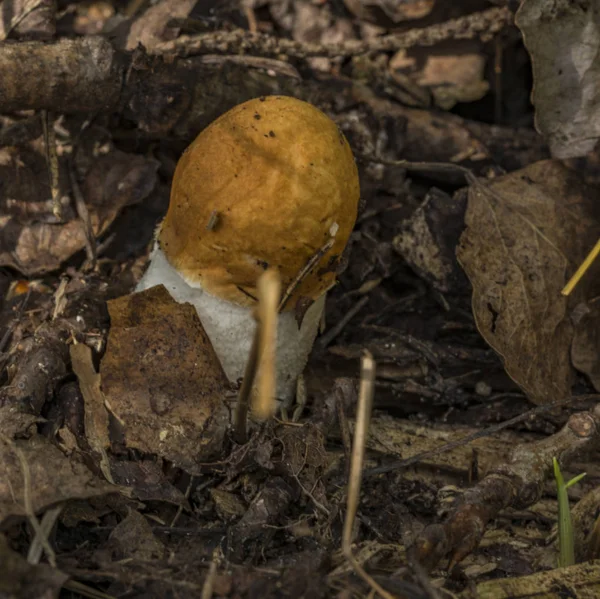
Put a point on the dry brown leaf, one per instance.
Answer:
(54, 478)
(428, 239)
(526, 234)
(133, 539)
(96, 415)
(153, 26)
(147, 481)
(163, 380)
(563, 40)
(453, 71)
(31, 240)
(585, 351)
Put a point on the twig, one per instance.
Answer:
(254, 62)
(303, 273)
(16, 319)
(52, 160)
(240, 415)
(402, 464)
(28, 504)
(48, 520)
(363, 418)
(209, 581)
(585, 265)
(484, 23)
(339, 327)
(84, 215)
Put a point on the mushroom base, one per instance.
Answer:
(230, 327)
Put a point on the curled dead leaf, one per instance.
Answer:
(526, 234)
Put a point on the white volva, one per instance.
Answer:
(230, 327)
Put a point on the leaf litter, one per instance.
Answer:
(135, 395)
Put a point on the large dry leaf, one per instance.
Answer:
(563, 39)
(526, 233)
(162, 379)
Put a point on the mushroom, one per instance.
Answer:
(271, 183)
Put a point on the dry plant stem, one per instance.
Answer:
(240, 415)
(84, 216)
(209, 582)
(339, 327)
(518, 483)
(269, 292)
(363, 418)
(484, 23)
(47, 524)
(28, 505)
(52, 160)
(304, 273)
(585, 265)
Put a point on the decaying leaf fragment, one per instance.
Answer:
(563, 39)
(31, 239)
(163, 380)
(585, 351)
(526, 234)
(52, 478)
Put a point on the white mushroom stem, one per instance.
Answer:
(230, 327)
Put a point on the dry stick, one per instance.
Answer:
(240, 415)
(28, 504)
(484, 23)
(401, 464)
(84, 215)
(209, 582)
(328, 337)
(48, 520)
(585, 265)
(304, 272)
(363, 418)
(52, 161)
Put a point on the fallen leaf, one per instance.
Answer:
(428, 238)
(162, 379)
(31, 239)
(53, 478)
(585, 351)
(526, 234)
(133, 539)
(452, 71)
(95, 413)
(147, 481)
(153, 26)
(563, 40)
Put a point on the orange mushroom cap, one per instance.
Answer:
(266, 184)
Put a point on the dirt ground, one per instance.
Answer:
(120, 473)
